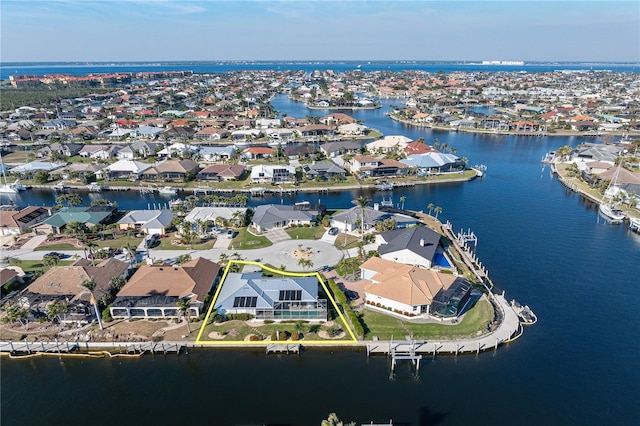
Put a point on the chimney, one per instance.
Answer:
(421, 242)
(376, 206)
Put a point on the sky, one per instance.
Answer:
(453, 30)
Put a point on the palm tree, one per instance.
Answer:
(90, 246)
(184, 312)
(430, 207)
(362, 203)
(223, 258)
(437, 210)
(91, 285)
(402, 200)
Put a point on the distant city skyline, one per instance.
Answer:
(172, 30)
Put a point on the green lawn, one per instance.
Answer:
(306, 233)
(346, 241)
(245, 240)
(57, 247)
(386, 327)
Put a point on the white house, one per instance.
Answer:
(273, 174)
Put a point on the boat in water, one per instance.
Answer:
(94, 187)
(384, 186)
(60, 187)
(607, 207)
(634, 224)
(167, 190)
(480, 169)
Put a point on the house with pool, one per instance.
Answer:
(271, 298)
(411, 291)
(155, 290)
(417, 245)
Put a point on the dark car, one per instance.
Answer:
(55, 254)
(334, 231)
(351, 295)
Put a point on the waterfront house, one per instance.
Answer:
(62, 149)
(352, 129)
(155, 290)
(147, 132)
(273, 216)
(350, 220)
(281, 135)
(257, 152)
(323, 170)
(14, 222)
(64, 284)
(89, 216)
(210, 134)
(205, 217)
(222, 172)
(434, 162)
(271, 298)
(148, 221)
(124, 169)
(262, 173)
(172, 171)
(416, 245)
(317, 130)
(410, 291)
(369, 166)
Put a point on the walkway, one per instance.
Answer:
(506, 331)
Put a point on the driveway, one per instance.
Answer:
(276, 235)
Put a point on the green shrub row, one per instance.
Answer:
(341, 299)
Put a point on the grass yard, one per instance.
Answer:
(171, 242)
(306, 233)
(346, 241)
(245, 240)
(385, 326)
(57, 247)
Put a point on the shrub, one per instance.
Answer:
(274, 335)
(106, 315)
(256, 338)
(269, 321)
(295, 336)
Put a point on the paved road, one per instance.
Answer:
(278, 254)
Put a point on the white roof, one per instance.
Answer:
(128, 166)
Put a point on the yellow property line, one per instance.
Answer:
(268, 342)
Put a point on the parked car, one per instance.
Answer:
(231, 233)
(55, 254)
(152, 240)
(334, 231)
(351, 295)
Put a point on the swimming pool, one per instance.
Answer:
(439, 259)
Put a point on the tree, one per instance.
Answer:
(430, 207)
(55, 309)
(76, 229)
(68, 200)
(41, 177)
(305, 263)
(437, 210)
(91, 285)
(183, 258)
(223, 258)
(185, 312)
(402, 200)
(15, 313)
(362, 203)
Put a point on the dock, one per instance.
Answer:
(29, 348)
(283, 348)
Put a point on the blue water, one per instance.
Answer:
(542, 244)
(83, 68)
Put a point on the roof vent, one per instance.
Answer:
(422, 242)
(160, 268)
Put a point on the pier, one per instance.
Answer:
(282, 348)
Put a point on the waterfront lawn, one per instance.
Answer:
(237, 331)
(306, 233)
(245, 240)
(386, 327)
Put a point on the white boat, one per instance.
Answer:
(60, 186)
(8, 188)
(612, 214)
(94, 187)
(634, 224)
(167, 190)
(384, 186)
(607, 207)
